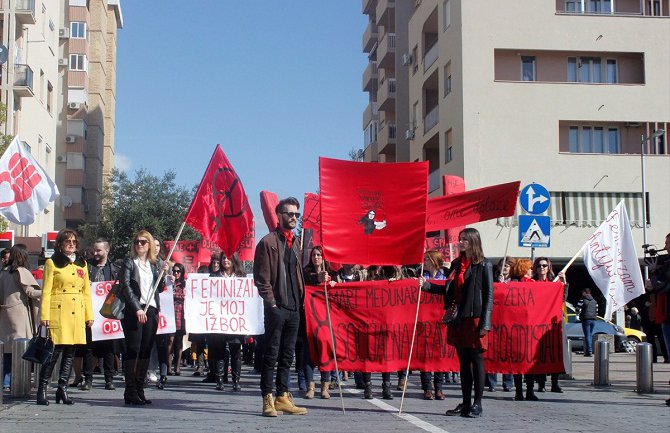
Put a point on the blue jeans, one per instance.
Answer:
(492, 380)
(427, 377)
(587, 327)
(7, 368)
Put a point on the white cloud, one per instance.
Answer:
(122, 162)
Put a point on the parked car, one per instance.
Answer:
(625, 339)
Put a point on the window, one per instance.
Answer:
(574, 6)
(598, 6)
(446, 14)
(42, 85)
(590, 70)
(594, 139)
(371, 133)
(78, 29)
(50, 95)
(448, 154)
(447, 79)
(528, 68)
(78, 62)
(654, 8)
(415, 60)
(415, 115)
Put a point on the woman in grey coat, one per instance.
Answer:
(17, 288)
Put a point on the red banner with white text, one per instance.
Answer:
(373, 323)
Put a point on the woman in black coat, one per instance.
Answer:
(139, 274)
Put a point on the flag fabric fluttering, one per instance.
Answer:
(220, 210)
(269, 202)
(611, 260)
(373, 213)
(25, 187)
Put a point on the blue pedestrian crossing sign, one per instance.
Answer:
(535, 199)
(534, 231)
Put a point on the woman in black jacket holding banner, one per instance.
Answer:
(140, 273)
(470, 289)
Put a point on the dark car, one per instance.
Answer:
(575, 333)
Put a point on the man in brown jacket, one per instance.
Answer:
(278, 276)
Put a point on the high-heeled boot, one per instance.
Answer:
(43, 382)
(63, 377)
(237, 370)
(220, 368)
(130, 394)
(140, 377)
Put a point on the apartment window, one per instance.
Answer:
(50, 95)
(448, 154)
(415, 60)
(370, 133)
(42, 85)
(590, 70)
(446, 14)
(415, 115)
(77, 62)
(573, 6)
(598, 6)
(654, 7)
(528, 68)
(612, 76)
(447, 79)
(594, 139)
(78, 29)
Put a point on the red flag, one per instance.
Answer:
(311, 216)
(472, 206)
(220, 210)
(373, 213)
(269, 202)
(248, 245)
(453, 185)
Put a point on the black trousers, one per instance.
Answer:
(140, 337)
(86, 353)
(472, 374)
(281, 332)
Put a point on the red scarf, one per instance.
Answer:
(465, 264)
(290, 237)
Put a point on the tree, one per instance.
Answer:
(356, 154)
(145, 202)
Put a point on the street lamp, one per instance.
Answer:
(643, 141)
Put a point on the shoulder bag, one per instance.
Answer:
(41, 346)
(114, 304)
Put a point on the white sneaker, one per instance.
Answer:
(151, 377)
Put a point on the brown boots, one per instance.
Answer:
(283, 403)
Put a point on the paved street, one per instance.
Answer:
(187, 404)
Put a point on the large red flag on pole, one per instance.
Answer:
(311, 216)
(269, 202)
(220, 210)
(373, 213)
(472, 206)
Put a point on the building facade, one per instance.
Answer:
(85, 150)
(562, 93)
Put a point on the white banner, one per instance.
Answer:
(216, 305)
(611, 259)
(110, 329)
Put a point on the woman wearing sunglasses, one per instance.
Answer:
(139, 274)
(66, 309)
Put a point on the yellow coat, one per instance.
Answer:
(66, 299)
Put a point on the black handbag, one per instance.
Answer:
(451, 315)
(41, 346)
(114, 304)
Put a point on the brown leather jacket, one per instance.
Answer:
(270, 272)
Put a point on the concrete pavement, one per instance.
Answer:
(187, 404)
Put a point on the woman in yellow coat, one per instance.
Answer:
(66, 309)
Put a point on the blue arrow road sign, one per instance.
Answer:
(534, 231)
(534, 199)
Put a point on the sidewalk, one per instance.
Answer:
(188, 404)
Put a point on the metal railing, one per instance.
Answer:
(431, 119)
(24, 5)
(390, 41)
(430, 57)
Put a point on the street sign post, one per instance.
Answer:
(534, 231)
(535, 199)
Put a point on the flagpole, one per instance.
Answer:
(509, 235)
(411, 346)
(565, 268)
(332, 340)
(167, 260)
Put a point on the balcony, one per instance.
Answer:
(369, 6)
(434, 181)
(387, 139)
(75, 212)
(431, 119)
(430, 57)
(23, 80)
(385, 11)
(370, 36)
(370, 114)
(370, 77)
(386, 95)
(654, 8)
(25, 11)
(386, 51)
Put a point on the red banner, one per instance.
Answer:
(451, 185)
(269, 202)
(193, 254)
(373, 323)
(472, 206)
(220, 210)
(373, 213)
(248, 244)
(311, 216)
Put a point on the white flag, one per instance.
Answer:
(611, 259)
(25, 187)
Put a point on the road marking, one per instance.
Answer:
(417, 422)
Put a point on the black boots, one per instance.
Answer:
(63, 377)
(162, 380)
(367, 390)
(140, 378)
(220, 374)
(130, 394)
(386, 391)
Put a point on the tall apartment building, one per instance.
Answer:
(562, 93)
(85, 149)
(29, 86)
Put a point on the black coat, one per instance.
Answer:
(477, 290)
(130, 284)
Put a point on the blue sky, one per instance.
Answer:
(277, 84)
